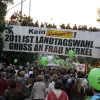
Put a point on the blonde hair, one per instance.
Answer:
(39, 78)
(3, 74)
(78, 84)
(55, 77)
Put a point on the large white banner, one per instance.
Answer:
(53, 41)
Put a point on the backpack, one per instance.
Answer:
(20, 86)
(11, 96)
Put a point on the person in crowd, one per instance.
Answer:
(66, 87)
(1, 98)
(72, 83)
(39, 89)
(26, 74)
(60, 78)
(52, 84)
(89, 93)
(12, 93)
(85, 82)
(96, 94)
(30, 81)
(3, 83)
(77, 91)
(57, 93)
(23, 81)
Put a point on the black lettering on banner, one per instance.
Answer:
(27, 39)
(91, 44)
(60, 42)
(51, 41)
(37, 39)
(31, 38)
(41, 39)
(29, 47)
(82, 43)
(11, 46)
(66, 50)
(33, 31)
(70, 42)
(82, 51)
(36, 32)
(77, 51)
(90, 52)
(38, 47)
(16, 46)
(46, 47)
(87, 43)
(17, 38)
(23, 40)
(50, 49)
(56, 41)
(60, 50)
(20, 46)
(65, 42)
(73, 49)
(87, 51)
(7, 37)
(25, 47)
(11, 38)
(55, 49)
(46, 39)
(75, 34)
(76, 43)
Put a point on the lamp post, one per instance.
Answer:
(29, 7)
(21, 10)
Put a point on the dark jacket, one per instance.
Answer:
(14, 94)
(66, 89)
(75, 93)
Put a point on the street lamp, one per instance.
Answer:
(21, 10)
(29, 7)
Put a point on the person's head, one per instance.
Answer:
(21, 73)
(78, 84)
(64, 81)
(88, 91)
(11, 83)
(3, 74)
(58, 85)
(55, 77)
(31, 76)
(1, 98)
(39, 78)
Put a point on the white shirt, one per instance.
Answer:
(51, 86)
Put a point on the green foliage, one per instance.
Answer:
(25, 20)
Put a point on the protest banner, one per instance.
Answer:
(52, 41)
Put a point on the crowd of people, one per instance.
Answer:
(44, 83)
(62, 26)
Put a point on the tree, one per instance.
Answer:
(24, 20)
(22, 57)
(98, 19)
(3, 11)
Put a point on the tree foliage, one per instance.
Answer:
(98, 12)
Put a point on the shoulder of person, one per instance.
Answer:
(95, 97)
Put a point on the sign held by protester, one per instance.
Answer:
(81, 67)
(52, 41)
